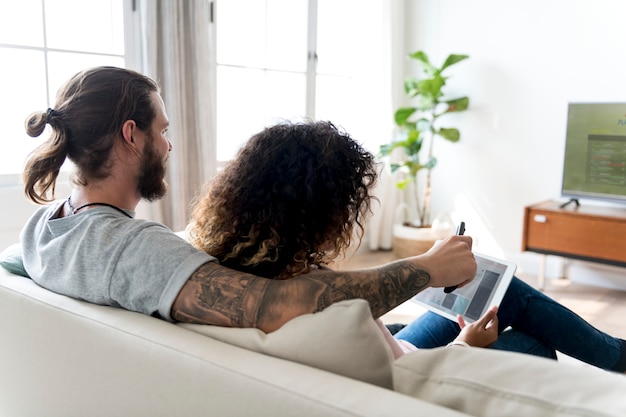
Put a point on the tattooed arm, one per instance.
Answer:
(218, 295)
(221, 296)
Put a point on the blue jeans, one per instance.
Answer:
(538, 326)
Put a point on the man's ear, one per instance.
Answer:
(128, 128)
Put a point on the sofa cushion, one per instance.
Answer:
(343, 339)
(487, 382)
(11, 260)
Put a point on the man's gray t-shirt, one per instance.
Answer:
(105, 257)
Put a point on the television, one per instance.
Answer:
(595, 152)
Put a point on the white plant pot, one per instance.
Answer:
(410, 241)
(413, 240)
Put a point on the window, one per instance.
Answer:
(277, 59)
(43, 43)
(290, 59)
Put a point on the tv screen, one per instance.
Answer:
(595, 152)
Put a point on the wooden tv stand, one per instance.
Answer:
(585, 232)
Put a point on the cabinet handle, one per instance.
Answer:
(540, 218)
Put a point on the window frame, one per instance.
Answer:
(315, 93)
(131, 57)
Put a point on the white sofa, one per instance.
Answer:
(65, 357)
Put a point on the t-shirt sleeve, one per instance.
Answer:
(152, 269)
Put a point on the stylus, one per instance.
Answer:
(459, 231)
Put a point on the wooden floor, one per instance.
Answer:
(603, 308)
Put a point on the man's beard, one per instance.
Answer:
(151, 183)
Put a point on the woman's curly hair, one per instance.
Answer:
(288, 201)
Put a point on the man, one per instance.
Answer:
(111, 123)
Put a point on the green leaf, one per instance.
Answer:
(403, 183)
(412, 135)
(432, 86)
(458, 104)
(453, 59)
(421, 56)
(411, 86)
(413, 167)
(387, 148)
(409, 126)
(403, 114)
(414, 143)
(451, 134)
(432, 162)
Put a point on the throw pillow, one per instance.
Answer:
(488, 382)
(343, 339)
(11, 260)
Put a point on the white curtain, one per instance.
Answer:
(176, 40)
(392, 199)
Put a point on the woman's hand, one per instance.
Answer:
(483, 332)
(449, 263)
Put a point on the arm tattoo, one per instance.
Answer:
(384, 288)
(221, 296)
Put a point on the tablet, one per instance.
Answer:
(473, 300)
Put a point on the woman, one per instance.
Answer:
(296, 196)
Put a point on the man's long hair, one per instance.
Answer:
(87, 118)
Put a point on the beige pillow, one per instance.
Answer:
(486, 382)
(343, 339)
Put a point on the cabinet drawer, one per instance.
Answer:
(567, 233)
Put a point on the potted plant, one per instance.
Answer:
(419, 127)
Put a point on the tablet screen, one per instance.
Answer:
(473, 300)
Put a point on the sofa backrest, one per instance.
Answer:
(64, 357)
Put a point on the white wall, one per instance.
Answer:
(16, 209)
(528, 59)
